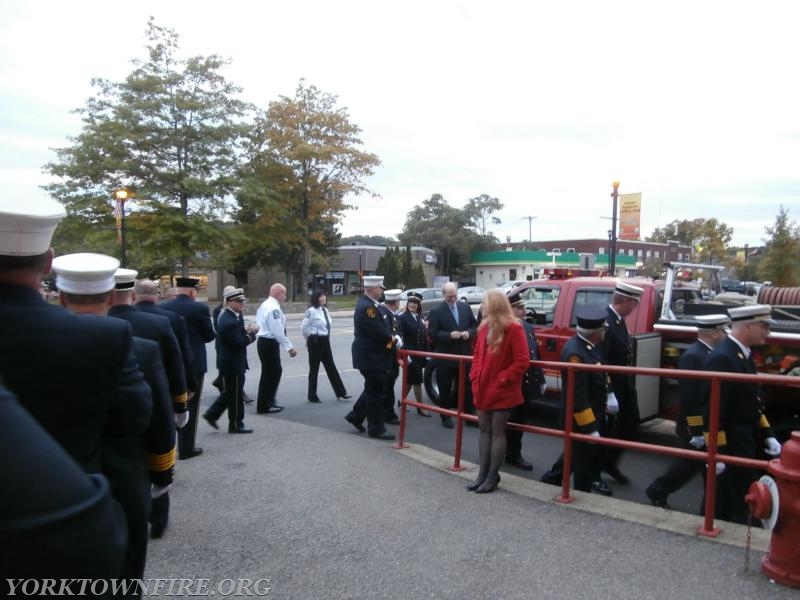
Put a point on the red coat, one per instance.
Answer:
(497, 376)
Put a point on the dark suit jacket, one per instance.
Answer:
(198, 324)
(178, 324)
(160, 435)
(55, 520)
(232, 342)
(616, 350)
(157, 328)
(372, 337)
(441, 325)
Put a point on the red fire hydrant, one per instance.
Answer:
(778, 503)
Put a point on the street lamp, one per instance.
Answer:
(612, 260)
(121, 196)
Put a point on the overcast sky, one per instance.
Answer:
(542, 105)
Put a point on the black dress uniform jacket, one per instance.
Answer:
(590, 387)
(616, 350)
(693, 396)
(55, 520)
(198, 324)
(534, 376)
(160, 434)
(74, 373)
(372, 337)
(232, 342)
(158, 329)
(178, 325)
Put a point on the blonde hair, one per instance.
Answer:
(497, 316)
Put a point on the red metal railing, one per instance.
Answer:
(711, 457)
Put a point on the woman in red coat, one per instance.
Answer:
(499, 363)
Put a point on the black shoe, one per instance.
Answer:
(519, 462)
(475, 484)
(210, 421)
(470, 423)
(344, 397)
(190, 454)
(655, 499)
(447, 422)
(551, 478)
(486, 488)
(422, 413)
(247, 399)
(393, 420)
(271, 410)
(314, 400)
(242, 429)
(617, 475)
(355, 423)
(601, 488)
(382, 436)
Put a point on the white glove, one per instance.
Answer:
(544, 389)
(157, 490)
(181, 419)
(612, 406)
(697, 441)
(772, 446)
(595, 433)
(720, 468)
(398, 341)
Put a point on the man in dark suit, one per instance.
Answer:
(372, 349)
(743, 427)
(85, 282)
(198, 324)
(617, 350)
(452, 327)
(152, 327)
(232, 341)
(145, 297)
(693, 405)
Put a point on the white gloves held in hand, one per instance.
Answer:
(181, 419)
(398, 341)
(697, 441)
(157, 490)
(612, 405)
(772, 446)
(595, 433)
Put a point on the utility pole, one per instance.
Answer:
(530, 220)
(612, 260)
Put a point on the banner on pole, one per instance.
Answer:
(630, 209)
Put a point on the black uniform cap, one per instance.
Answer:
(591, 317)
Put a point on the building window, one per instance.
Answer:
(648, 254)
(639, 253)
(601, 250)
(656, 254)
(630, 252)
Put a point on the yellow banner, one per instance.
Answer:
(630, 209)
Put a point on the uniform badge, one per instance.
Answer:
(276, 314)
(371, 312)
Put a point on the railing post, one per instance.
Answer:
(566, 471)
(708, 528)
(401, 433)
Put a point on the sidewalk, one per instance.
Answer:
(325, 514)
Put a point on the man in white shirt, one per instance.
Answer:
(271, 337)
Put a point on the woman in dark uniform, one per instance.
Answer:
(414, 331)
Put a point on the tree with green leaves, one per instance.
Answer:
(303, 162)
(389, 267)
(781, 261)
(708, 238)
(480, 212)
(171, 135)
(435, 224)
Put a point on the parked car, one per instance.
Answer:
(431, 297)
(508, 285)
(471, 294)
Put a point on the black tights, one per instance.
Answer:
(491, 444)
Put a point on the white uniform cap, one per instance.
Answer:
(233, 293)
(752, 312)
(226, 289)
(628, 290)
(27, 226)
(125, 279)
(712, 321)
(390, 295)
(85, 273)
(373, 281)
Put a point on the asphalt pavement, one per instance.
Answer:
(328, 513)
